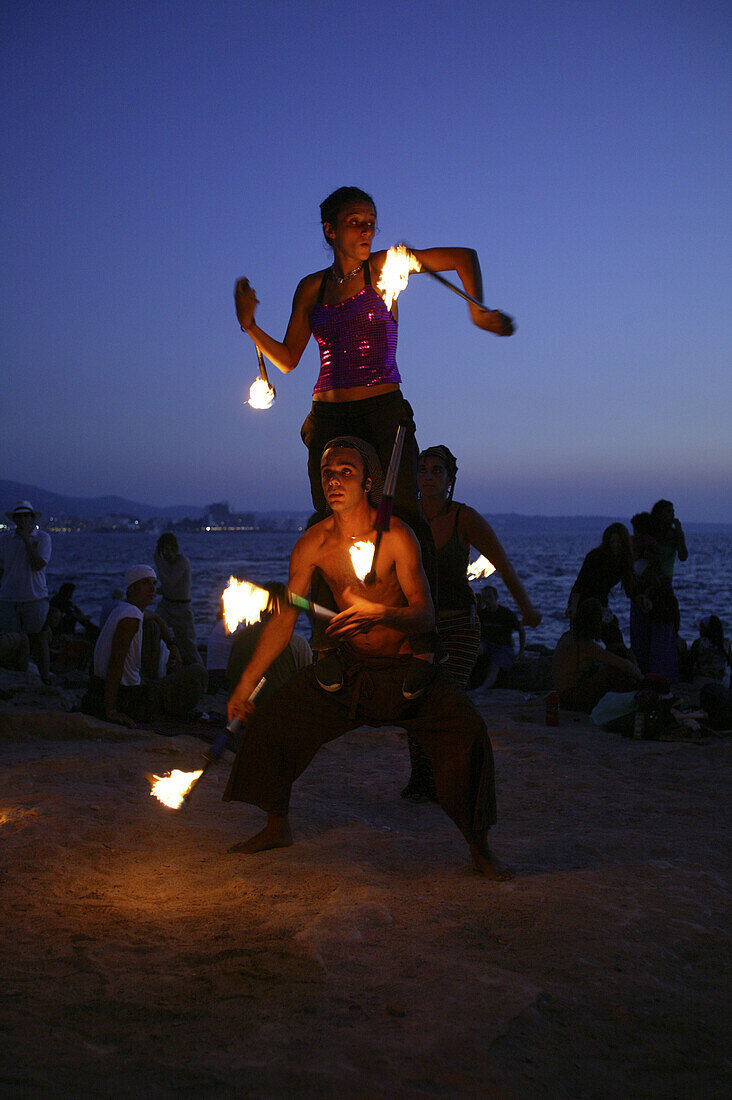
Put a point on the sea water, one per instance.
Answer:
(547, 562)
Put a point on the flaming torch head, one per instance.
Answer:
(362, 555)
(481, 567)
(398, 265)
(172, 789)
(261, 394)
(243, 603)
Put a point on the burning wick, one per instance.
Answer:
(481, 567)
(261, 394)
(172, 789)
(398, 266)
(362, 554)
(243, 603)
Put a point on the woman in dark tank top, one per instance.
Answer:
(455, 528)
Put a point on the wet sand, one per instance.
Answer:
(368, 960)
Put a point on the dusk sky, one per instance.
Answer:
(154, 152)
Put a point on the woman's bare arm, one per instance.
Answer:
(285, 354)
(464, 261)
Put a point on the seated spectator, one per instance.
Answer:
(497, 626)
(115, 596)
(296, 655)
(69, 649)
(582, 670)
(174, 608)
(710, 656)
(14, 651)
(71, 615)
(218, 649)
(117, 690)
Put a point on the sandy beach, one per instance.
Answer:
(368, 960)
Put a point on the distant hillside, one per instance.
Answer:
(56, 504)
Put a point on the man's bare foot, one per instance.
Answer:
(275, 834)
(487, 864)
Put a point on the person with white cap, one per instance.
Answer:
(24, 555)
(117, 691)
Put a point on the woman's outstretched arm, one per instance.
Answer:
(465, 262)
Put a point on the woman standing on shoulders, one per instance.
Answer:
(357, 392)
(455, 528)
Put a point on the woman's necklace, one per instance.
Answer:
(338, 279)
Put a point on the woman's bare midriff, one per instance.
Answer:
(355, 393)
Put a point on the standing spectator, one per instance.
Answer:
(174, 571)
(24, 555)
(606, 565)
(658, 539)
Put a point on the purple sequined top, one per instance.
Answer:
(357, 339)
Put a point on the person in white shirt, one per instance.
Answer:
(117, 690)
(24, 555)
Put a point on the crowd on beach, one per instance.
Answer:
(52, 636)
(401, 645)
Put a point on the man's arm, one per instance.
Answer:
(605, 657)
(276, 632)
(38, 550)
(121, 642)
(419, 614)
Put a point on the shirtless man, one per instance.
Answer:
(283, 735)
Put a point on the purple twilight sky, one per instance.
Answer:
(152, 152)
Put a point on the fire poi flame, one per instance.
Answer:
(481, 567)
(243, 603)
(362, 554)
(398, 266)
(172, 789)
(261, 394)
